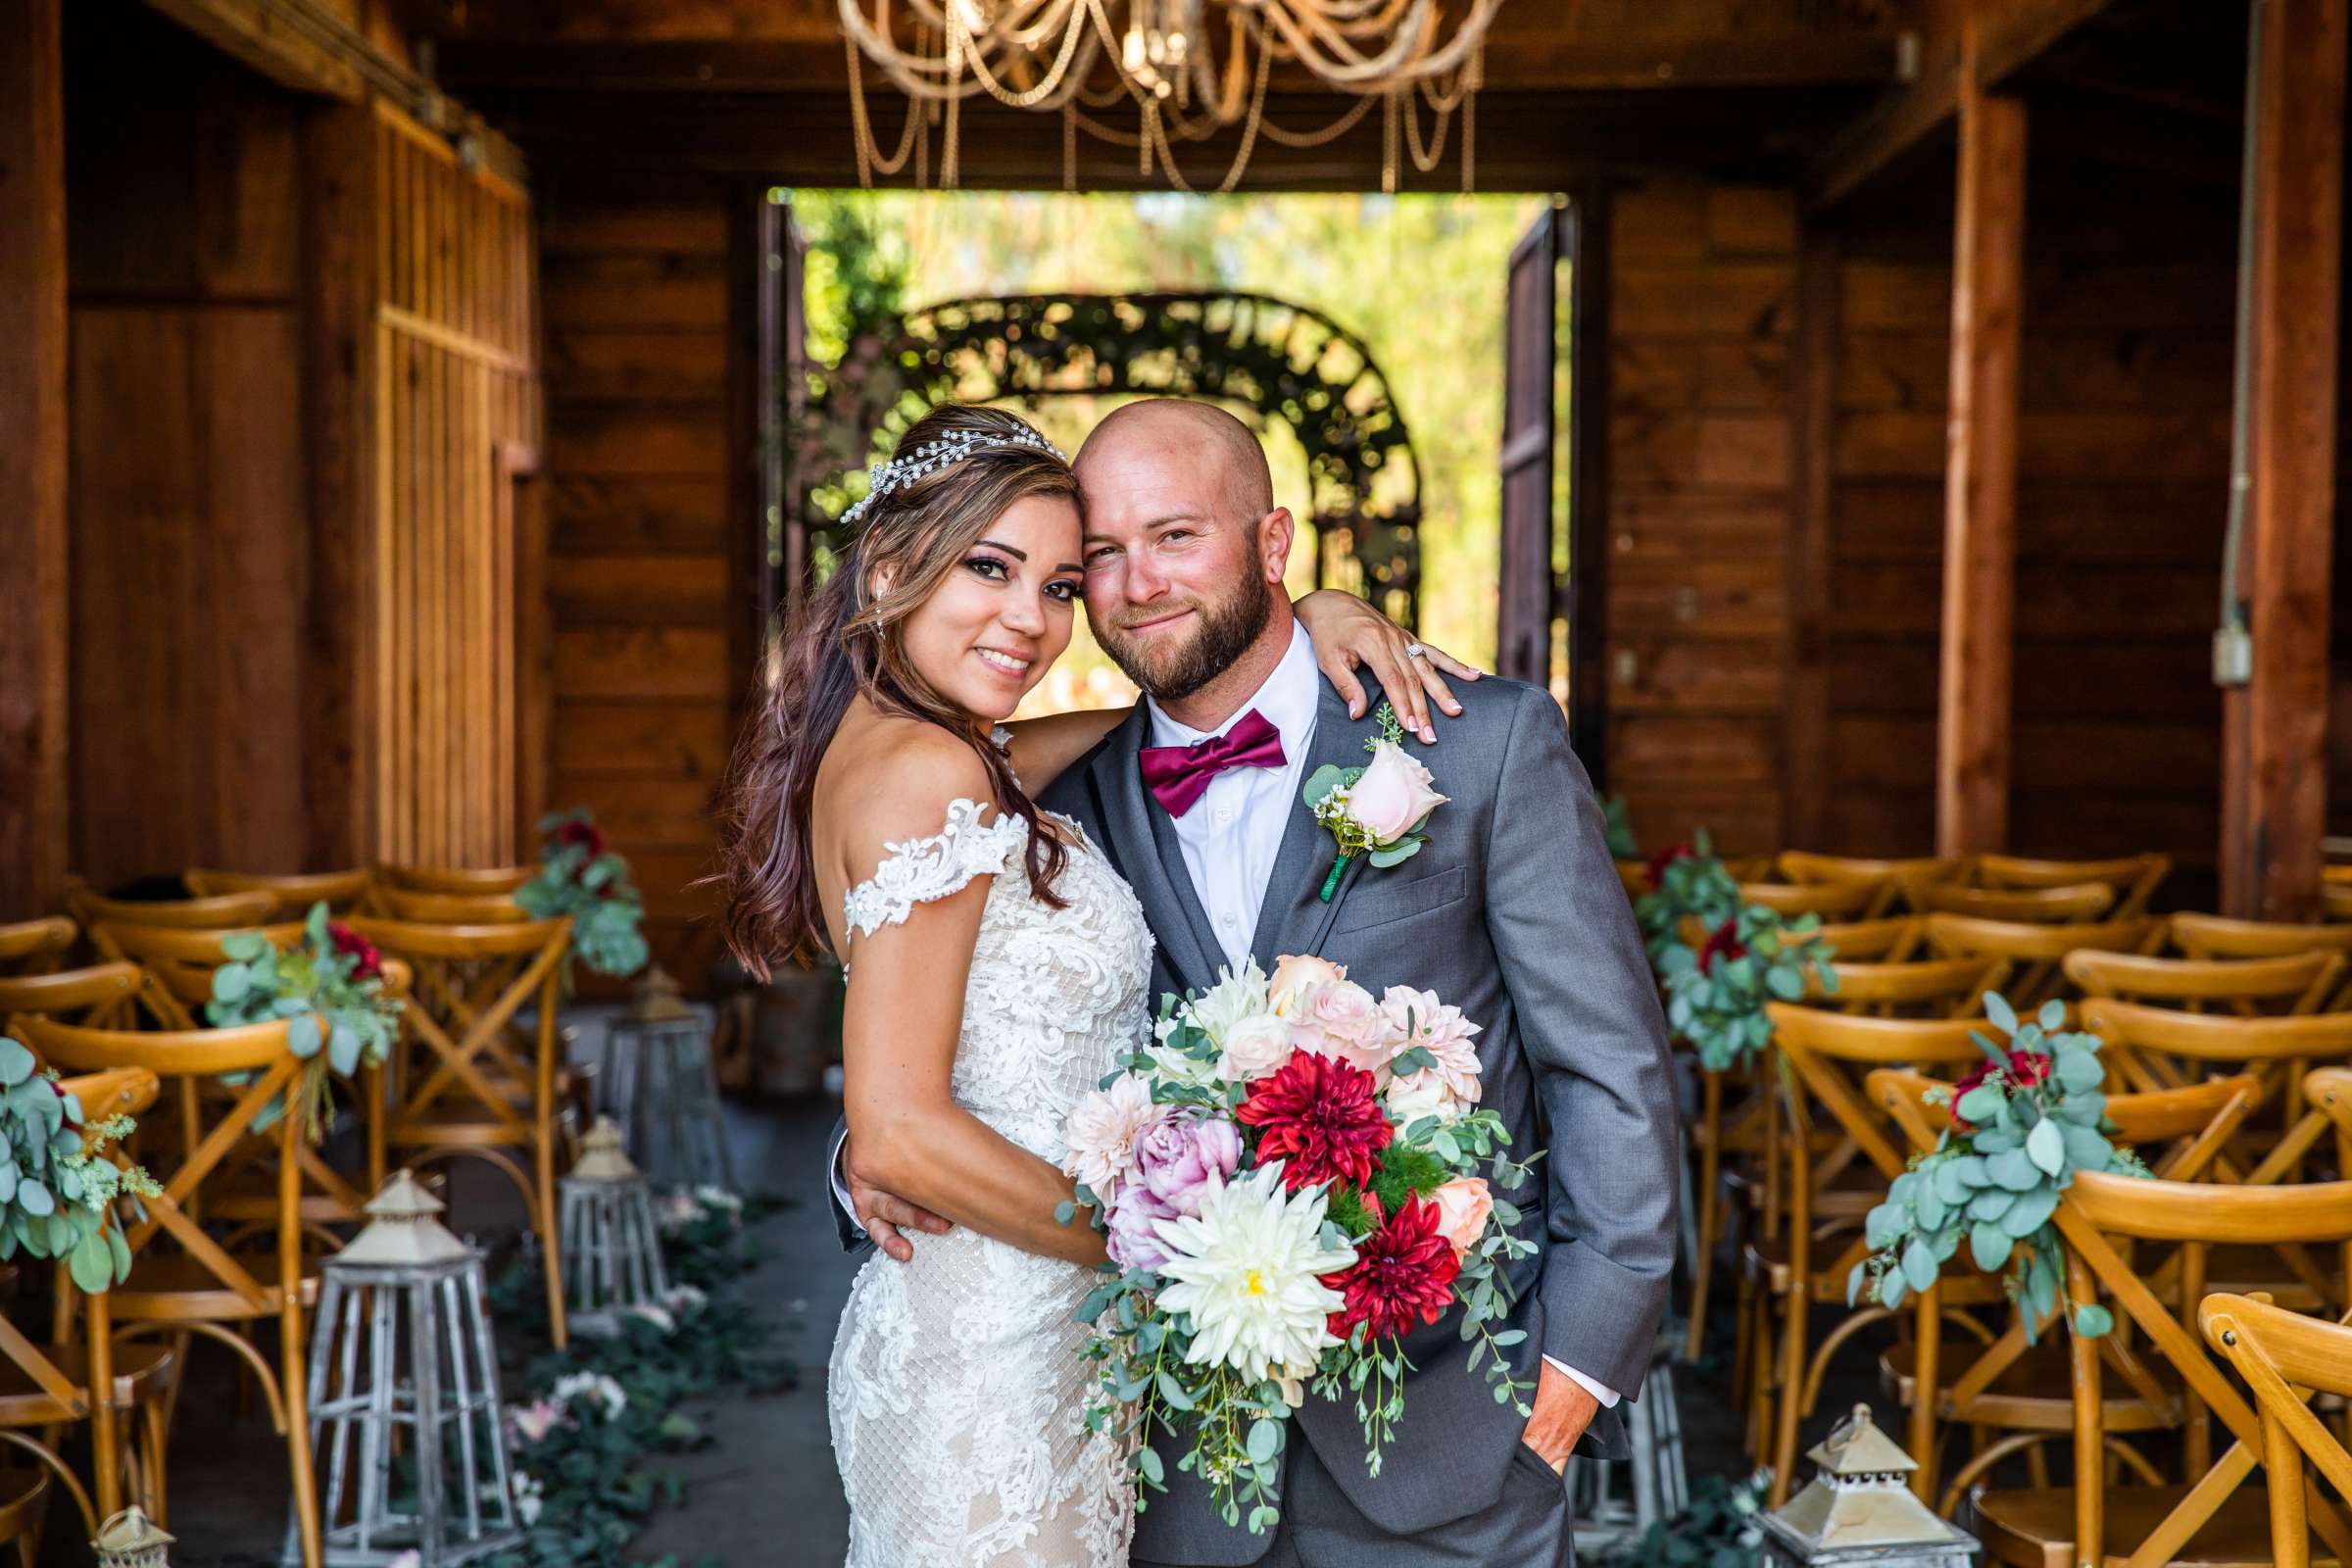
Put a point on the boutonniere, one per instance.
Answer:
(1378, 809)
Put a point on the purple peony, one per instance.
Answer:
(1130, 1220)
(1185, 1157)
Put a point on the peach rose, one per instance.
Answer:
(1295, 974)
(1393, 795)
(1341, 1019)
(1464, 1205)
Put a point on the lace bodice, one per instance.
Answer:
(957, 1391)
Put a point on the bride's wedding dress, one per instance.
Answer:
(957, 1391)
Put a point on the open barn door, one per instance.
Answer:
(1551, 597)
(779, 316)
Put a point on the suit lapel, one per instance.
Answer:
(1292, 919)
(1142, 842)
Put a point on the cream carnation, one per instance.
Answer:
(1248, 1271)
(1101, 1133)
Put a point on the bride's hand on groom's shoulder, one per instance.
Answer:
(1350, 634)
(887, 1218)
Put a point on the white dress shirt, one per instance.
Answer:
(1235, 828)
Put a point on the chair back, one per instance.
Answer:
(2196, 1121)
(2133, 878)
(2034, 949)
(1831, 900)
(100, 993)
(224, 912)
(1937, 988)
(2294, 983)
(1890, 939)
(1897, 879)
(295, 892)
(180, 963)
(2285, 1358)
(1830, 1053)
(33, 947)
(2218, 936)
(475, 881)
(2059, 906)
(452, 909)
(2276, 1050)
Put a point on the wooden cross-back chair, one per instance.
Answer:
(1897, 879)
(2060, 905)
(200, 1286)
(2216, 936)
(2218, 1515)
(1831, 900)
(1840, 1156)
(2133, 878)
(451, 909)
(2007, 1385)
(2292, 983)
(177, 983)
(47, 1386)
(472, 881)
(36, 947)
(2035, 951)
(2284, 1358)
(2160, 1047)
(102, 994)
(1931, 988)
(226, 912)
(295, 892)
(465, 1081)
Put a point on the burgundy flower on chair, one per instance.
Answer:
(2027, 1068)
(1722, 943)
(582, 835)
(1320, 1115)
(1660, 861)
(1403, 1275)
(348, 944)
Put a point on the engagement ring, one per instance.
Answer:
(1415, 651)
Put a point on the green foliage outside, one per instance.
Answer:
(1419, 279)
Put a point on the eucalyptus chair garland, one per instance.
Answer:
(2021, 1127)
(330, 990)
(580, 877)
(58, 1187)
(1748, 955)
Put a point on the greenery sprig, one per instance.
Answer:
(329, 988)
(57, 1186)
(2021, 1127)
(1716, 992)
(580, 877)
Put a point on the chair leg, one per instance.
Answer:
(1792, 1391)
(29, 1539)
(157, 1449)
(549, 1252)
(293, 1391)
(106, 1450)
(1927, 1376)
(1710, 1199)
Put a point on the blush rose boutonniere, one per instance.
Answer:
(1378, 809)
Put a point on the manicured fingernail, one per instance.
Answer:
(1454, 708)
(1428, 737)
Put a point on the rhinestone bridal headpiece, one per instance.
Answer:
(905, 468)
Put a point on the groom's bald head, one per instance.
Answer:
(1199, 437)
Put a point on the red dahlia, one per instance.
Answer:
(1403, 1275)
(351, 945)
(1660, 861)
(2027, 1068)
(1723, 942)
(584, 835)
(1318, 1113)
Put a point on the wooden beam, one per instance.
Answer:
(290, 41)
(33, 605)
(1997, 48)
(1812, 435)
(1979, 550)
(818, 63)
(2274, 768)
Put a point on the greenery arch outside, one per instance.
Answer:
(1276, 362)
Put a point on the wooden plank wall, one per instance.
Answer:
(643, 553)
(189, 526)
(1702, 303)
(457, 408)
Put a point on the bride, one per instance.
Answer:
(997, 968)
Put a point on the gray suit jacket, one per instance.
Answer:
(1513, 912)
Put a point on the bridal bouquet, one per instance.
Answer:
(1288, 1182)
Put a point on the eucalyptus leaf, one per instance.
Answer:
(16, 1063)
(2052, 1015)
(2079, 1071)
(302, 1036)
(1989, 1245)
(1919, 1265)
(1990, 1203)
(1981, 1103)
(2032, 1211)
(2086, 1148)
(2092, 1320)
(1999, 1013)
(2045, 1147)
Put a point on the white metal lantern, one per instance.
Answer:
(610, 1247)
(131, 1540)
(404, 1407)
(657, 1081)
(1859, 1508)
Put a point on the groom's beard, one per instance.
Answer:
(1225, 631)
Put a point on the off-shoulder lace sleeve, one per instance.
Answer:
(919, 870)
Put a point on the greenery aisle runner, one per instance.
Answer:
(591, 1420)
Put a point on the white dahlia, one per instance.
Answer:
(1248, 1271)
(1235, 998)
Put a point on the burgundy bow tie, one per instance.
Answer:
(1179, 775)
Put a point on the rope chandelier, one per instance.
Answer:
(1186, 68)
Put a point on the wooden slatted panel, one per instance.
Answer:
(458, 397)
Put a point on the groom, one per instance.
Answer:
(1513, 912)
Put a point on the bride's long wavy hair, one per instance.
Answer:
(848, 644)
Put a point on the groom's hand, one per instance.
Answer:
(884, 1216)
(1563, 1409)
